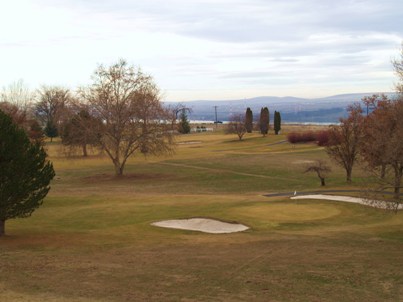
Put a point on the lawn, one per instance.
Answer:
(92, 239)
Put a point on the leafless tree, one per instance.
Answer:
(16, 100)
(19, 116)
(383, 145)
(344, 140)
(52, 105)
(371, 103)
(81, 130)
(133, 119)
(175, 110)
(236, 125)
(18, 94)
(398, 66)
(320, 168)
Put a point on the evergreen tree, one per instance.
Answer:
(277, 122)
(51, 130)
(25, 173)
(184, 126)
(249, 120)
(268, 120)
(264, 121)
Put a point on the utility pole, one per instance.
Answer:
(216, 121)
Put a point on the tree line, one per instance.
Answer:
(120, 113)
(372, 136)
(240, 124)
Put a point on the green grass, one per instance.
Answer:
(92, 239)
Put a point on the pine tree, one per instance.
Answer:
(277, 122)
(184, 126)
(25, 173)
(264, 121)
(51, 130)
(249, 120)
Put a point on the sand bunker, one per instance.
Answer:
(376, 204)
(203, 225)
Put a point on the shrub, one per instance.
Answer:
(302, 137)
(321, 137)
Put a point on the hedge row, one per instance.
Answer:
(321, 137)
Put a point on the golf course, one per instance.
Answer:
(93, 239)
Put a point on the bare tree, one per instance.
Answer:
(18, 116)
(175, 110)
(52, 108)
(344, 140)
(382, 148)
(18, 94)
(16, 101)
(371, 103)
(133, 119)
(81, 130)
(320, 168)
(398, 65)
(236, 125)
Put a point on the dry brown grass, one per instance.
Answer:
(92, 239)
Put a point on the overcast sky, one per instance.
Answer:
(206, 49)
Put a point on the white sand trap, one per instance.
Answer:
(376, 204)
(203, 225)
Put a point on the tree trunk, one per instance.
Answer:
(2, 227)
(322, 181)
(85, 150)
(118, 169)
(349, 173)
(398, 180)
(383, 171)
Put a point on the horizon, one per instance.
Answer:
(214, 50)
(283, 97)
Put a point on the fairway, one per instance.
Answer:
(93, 238)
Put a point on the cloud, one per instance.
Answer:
(205, 45)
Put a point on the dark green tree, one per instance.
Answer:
(51, 130)
(184, 126)
(249, 120)
(277, 122)
(264, 121)
(25, 173)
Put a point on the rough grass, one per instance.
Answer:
(92, 239)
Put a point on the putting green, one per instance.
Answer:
(286, 212)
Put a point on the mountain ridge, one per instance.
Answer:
(293, 109)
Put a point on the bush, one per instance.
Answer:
(321, 137)
(302, 137)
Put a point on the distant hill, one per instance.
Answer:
(293, 109)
